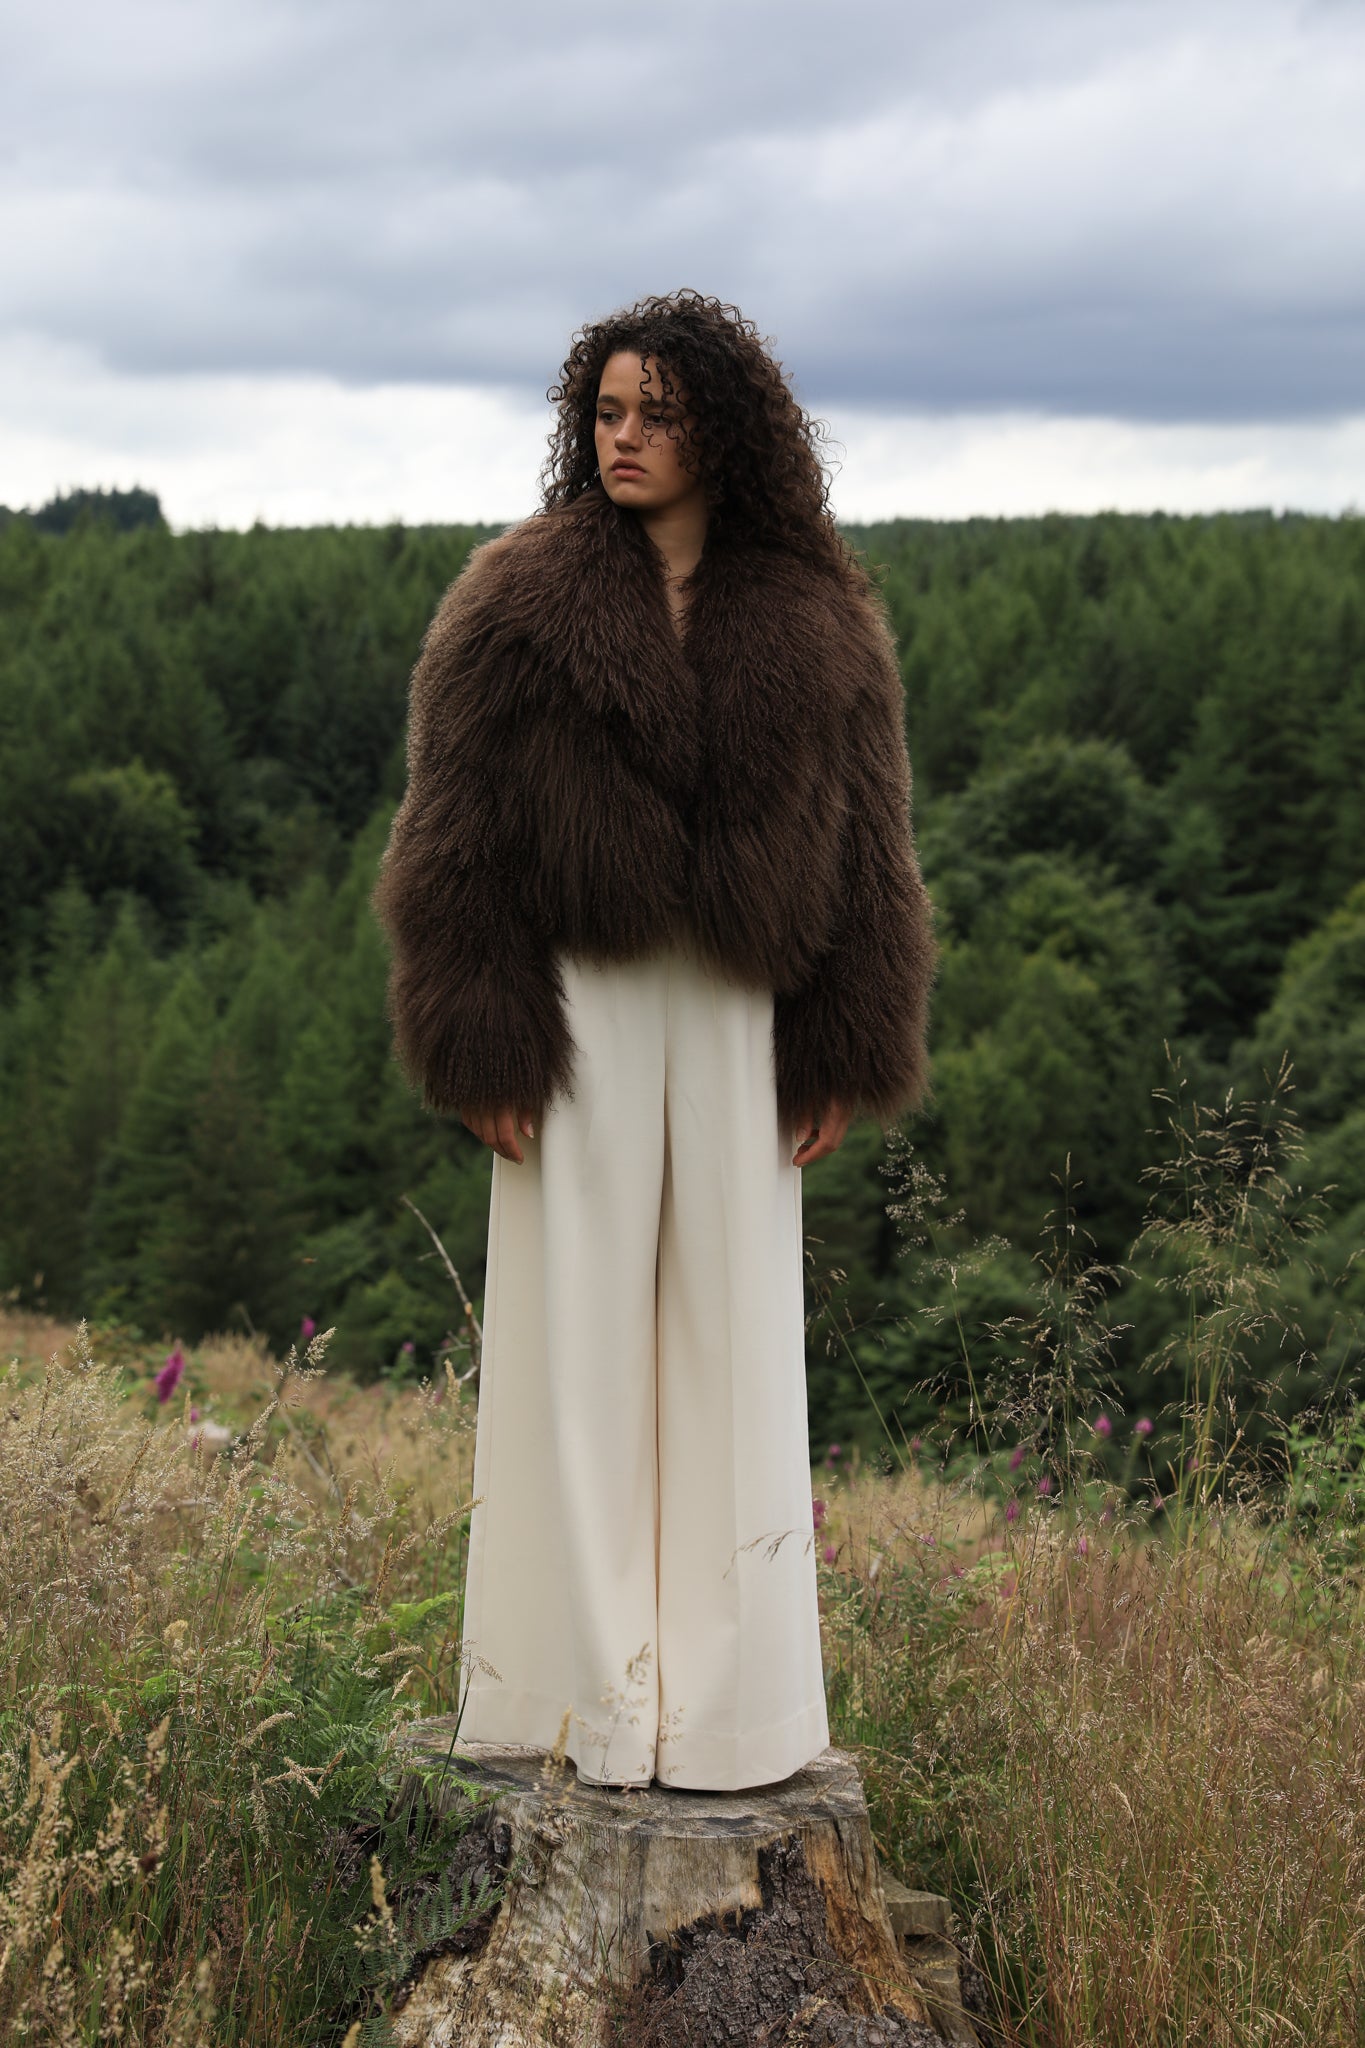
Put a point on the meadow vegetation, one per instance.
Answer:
(225, 1585)
(1116, 1712)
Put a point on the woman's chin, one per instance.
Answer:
(627, 490)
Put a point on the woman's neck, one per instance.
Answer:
(679, 533)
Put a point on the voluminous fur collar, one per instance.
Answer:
(764, 631)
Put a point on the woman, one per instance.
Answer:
(658, 934)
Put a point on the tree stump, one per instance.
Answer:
(659, 1918)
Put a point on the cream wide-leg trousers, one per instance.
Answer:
(641, 1551)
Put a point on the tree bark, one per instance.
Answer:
(660, 1918)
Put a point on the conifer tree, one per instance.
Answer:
(220, 1256)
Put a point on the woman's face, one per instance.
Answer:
(641, 463)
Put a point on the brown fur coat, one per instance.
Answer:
(579, 776)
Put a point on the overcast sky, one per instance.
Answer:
(310, 261)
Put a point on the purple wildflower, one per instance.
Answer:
(168, 1379)
(830, 1553)
(1012, 1511)
(1144, 1425)
(817, 1508)
(408, 1346)
(1045, 1485)
(1017, 1456)
(194, 1415)
(1082, 1547)
(1103, 1426)
(832, 1453)
(308, 1328)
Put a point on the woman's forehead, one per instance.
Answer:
(626, 375)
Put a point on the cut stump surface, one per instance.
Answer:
(662, 1918)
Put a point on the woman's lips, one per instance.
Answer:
(626, 469)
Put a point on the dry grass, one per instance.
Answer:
(1131, 1750)
(207, 1650)
(376, 1432)
(1137, 1761)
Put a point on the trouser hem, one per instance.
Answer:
(701, 1762)
(696, 1762)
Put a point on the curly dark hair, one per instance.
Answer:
(759, 453)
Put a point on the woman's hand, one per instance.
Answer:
(498, 1128)
(817, 1135)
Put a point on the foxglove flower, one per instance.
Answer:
(169, 1377)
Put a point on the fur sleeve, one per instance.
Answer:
(474, 997)
(857, 1030)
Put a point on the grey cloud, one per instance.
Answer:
(1146, 210)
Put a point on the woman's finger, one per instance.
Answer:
(822, 1146)
(824, 1134)
(507, 1136)
(484, 1124)
(497, 1128)
(807, 1136)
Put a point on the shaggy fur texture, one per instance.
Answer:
(582, 777)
